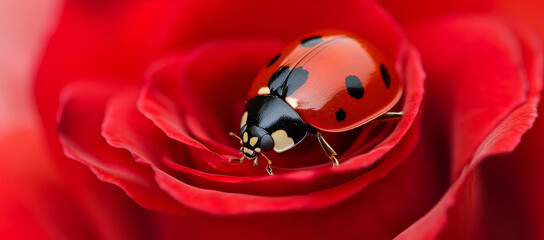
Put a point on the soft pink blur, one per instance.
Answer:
(25, 26)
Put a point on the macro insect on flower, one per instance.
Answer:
(327, 81)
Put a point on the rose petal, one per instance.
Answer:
(158, 101)
(125, 127)
(477, 78)
(527, 12)
(80, 119)
(96, 39)
(120, 131)
(38, 202)
(182, 91)
(229, 203)
(379, 211)
(414, 12)
(521, 67)
(110, 45)
(34, 194)
(513, 205)
(127, 66)
(128, 63)
(524, 165)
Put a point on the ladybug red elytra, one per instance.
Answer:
(327, 81)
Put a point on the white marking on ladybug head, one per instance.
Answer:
(245, 137)
(244, 119)
(282, 141)
(264, 91)
(248, 151)
(250, 154)
(292, 101)
(253, 141)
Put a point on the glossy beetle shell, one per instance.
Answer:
(336, 82)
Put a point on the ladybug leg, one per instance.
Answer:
(269, 166)
(269, 170)
(237, 160)
(390, 116)
(328, 149)
(243, 156)
(240, 160)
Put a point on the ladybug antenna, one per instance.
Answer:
(243, 156)
(234, 135)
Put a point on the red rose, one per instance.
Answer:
(144, 94)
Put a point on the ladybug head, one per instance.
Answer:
(254, 140)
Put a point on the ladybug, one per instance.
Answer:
(327, 81)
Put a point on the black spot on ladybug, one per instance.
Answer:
(340, 115)
(273, 60)
(310, 41)
(296, 79)
(385, 76)
(277, 80)
(355, 87)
